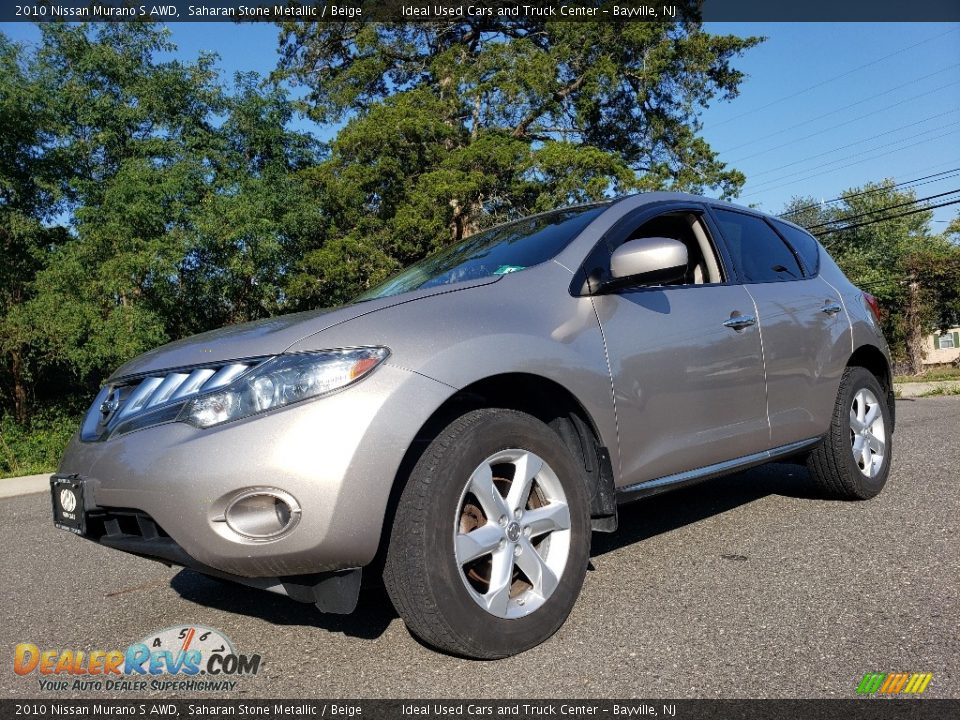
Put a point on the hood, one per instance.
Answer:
(270, 336)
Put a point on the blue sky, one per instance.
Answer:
(825, 106)
(829, 106)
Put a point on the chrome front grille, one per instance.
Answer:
(130, 404)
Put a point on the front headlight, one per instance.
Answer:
(281, 381)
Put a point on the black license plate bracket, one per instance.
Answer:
(67, 496)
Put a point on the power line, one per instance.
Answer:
(883, 209)
(835, 77)
(952, 111)
(765, 186)
(798, 210)
(862, 152)
(884, 219)
(846, 107)
(892, 217)
(937, 89)
(868, 192)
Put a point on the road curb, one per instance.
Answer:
(28, 485)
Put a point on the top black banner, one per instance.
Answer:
(480, 10)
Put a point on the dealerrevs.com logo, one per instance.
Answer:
(183, 658)
(894, 683)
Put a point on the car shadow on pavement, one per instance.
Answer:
(671, 510)
(369, 621)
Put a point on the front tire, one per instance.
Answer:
(853, 461)
(491, 538)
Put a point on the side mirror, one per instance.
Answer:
(648, 261)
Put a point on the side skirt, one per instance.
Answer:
(691, 477)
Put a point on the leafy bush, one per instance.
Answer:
(36, 446)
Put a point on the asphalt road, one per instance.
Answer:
(748, 586)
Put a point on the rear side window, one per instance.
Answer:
(805, 245)
(757, 250)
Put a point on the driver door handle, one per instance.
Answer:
(740, 322)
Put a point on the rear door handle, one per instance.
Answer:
(831, 308)
(740, 322)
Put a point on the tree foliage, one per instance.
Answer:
(142, 201)
(454, 126)
(29, 195)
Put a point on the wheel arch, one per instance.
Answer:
(874, 360)
(552, 404)
(543, 398)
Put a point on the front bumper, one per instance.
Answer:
(136, 532)
(337, 456)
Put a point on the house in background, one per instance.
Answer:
(942, 348)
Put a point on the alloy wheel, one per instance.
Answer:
(512, 533)
(867, 432)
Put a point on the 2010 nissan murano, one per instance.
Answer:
(462, 428)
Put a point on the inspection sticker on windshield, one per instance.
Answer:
(504, 269)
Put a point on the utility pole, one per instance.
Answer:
(914, 320)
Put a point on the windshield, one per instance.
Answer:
(504, 249)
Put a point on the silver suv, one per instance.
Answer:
(462, 429)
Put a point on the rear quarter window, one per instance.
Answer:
(804, 244)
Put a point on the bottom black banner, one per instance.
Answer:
(622, 709)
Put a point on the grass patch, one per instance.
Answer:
(35, 447)
(945, 373)
(942, 390)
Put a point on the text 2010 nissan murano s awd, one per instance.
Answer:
(463, 427)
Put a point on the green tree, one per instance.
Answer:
(255, 218)
(29, 196)
(454, 126)
(887, 248)
(133, 135)
(172, 205)
(952, 232)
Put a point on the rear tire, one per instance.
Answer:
(491, 538)
(853, 461)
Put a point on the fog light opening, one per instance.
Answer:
(262, 514)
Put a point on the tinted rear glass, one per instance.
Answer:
(504, 249)
(757, 250)
(805, 245)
